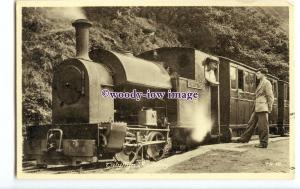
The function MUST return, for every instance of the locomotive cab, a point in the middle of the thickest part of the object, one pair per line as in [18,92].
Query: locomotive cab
[192,121]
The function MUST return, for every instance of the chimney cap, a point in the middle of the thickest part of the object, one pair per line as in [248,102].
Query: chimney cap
[82,22]
[125,52]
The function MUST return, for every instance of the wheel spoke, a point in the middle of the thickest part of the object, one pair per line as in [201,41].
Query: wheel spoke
[156,151]
[128,155]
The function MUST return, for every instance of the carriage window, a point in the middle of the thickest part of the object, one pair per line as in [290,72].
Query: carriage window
[274,84]
[286,92]
[252,82]
[246,83]
[240,79]
[249,82]
[233,77]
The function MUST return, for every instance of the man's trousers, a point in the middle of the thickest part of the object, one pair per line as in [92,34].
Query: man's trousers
[259,120]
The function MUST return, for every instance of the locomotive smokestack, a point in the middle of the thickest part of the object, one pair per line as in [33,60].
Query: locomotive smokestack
[82,38]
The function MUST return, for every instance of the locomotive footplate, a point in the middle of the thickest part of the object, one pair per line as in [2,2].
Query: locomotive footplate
[62,144]
[67,151]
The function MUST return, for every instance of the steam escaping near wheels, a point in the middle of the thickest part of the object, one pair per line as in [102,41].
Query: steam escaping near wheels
[202,120]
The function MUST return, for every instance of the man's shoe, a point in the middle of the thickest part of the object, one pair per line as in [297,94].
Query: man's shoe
[239,140]
[261,146]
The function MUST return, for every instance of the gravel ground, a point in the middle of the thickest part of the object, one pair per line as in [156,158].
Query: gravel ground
[252,160]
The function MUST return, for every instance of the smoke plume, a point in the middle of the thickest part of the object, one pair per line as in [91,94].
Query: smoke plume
[69,13]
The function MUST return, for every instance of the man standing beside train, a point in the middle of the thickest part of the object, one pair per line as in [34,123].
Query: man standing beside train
[264,99]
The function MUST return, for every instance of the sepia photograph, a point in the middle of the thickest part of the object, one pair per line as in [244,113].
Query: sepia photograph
[154,91]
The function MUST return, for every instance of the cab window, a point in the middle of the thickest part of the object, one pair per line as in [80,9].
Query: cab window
[211,72]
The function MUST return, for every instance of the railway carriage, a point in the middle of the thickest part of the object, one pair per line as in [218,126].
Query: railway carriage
[237,91]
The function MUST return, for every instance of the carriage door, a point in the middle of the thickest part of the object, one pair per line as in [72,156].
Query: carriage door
[249,95]
[246,90]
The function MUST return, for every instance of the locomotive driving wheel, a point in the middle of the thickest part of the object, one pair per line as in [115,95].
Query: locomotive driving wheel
[128,155]
[156,151]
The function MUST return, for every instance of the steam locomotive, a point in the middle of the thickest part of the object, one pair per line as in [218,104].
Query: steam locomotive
[88,127]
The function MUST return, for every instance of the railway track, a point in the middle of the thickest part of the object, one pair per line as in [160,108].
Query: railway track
[30,167]
[114,167]
[99,167]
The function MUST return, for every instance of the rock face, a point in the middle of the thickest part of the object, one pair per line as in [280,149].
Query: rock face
[255,36]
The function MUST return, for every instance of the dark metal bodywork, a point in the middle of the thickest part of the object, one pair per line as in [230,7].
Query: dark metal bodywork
[77,142]
[76,94]
[129,70]
[79,112]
